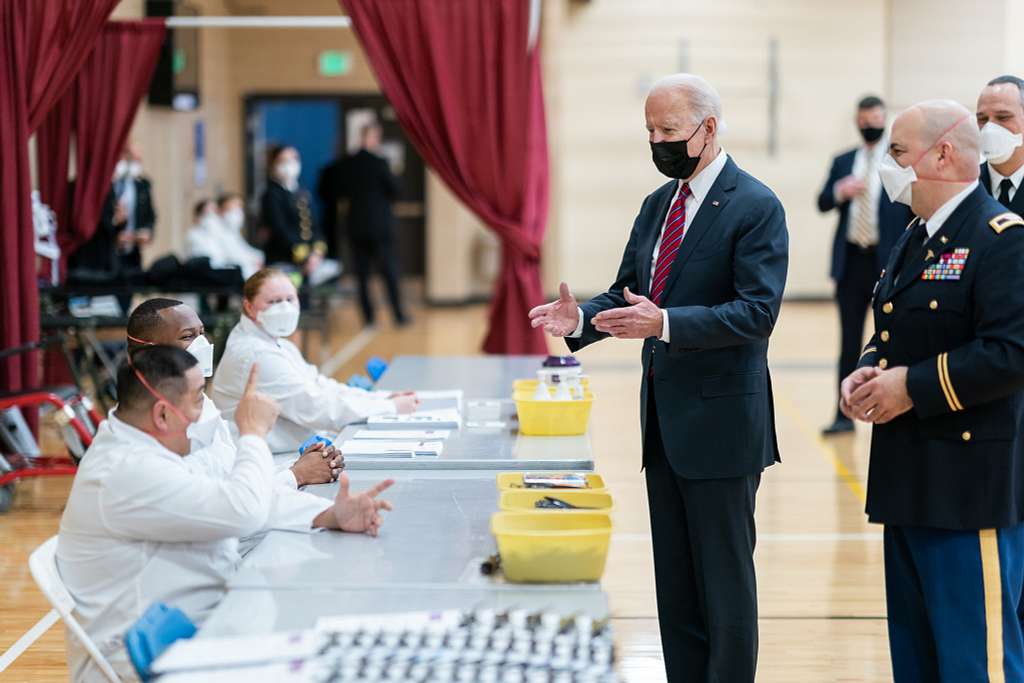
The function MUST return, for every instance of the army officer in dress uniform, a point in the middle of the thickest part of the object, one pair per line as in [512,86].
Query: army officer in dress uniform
[941,380]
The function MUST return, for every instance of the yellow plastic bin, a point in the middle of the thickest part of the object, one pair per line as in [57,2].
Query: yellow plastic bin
[552,418]
[514,480]
[530,385]
[540,548]
[523,500]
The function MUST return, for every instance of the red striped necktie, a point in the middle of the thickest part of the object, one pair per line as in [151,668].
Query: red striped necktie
[672,238]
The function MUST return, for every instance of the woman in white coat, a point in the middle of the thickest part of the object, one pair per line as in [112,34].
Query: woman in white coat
[309,401]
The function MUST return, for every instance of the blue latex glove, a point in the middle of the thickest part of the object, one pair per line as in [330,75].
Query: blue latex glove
[313,440]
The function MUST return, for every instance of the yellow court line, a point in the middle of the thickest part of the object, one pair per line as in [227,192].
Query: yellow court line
[789,409]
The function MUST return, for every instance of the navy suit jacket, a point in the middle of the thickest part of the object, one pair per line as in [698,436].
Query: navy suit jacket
[985,179]
[892,217]
[711,384]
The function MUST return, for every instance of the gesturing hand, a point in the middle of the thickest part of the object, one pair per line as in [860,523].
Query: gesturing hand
[639,320]
[360,513]
[559,318]
[882,398]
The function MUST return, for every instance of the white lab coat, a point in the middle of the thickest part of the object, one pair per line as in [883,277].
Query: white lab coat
[143,524]
[291,509]
[309,401]
[223,246]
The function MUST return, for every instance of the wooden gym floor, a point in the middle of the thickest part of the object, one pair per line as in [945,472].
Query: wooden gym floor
[822,602]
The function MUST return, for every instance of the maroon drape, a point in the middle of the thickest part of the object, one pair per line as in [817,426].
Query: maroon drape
[97,111]
[61,33]
[42,45]
[468,93]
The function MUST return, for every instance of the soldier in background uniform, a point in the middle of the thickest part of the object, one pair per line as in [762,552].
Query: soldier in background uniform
[941,381]
[1001,121]
[286,214]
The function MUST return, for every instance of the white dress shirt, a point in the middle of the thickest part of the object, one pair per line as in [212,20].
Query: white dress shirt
[935,223]
[700,185]
[997,180]
[873,181]
[223,246]
[143,524]
[309,401]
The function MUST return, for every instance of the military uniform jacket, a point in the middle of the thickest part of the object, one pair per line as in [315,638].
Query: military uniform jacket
[955,318]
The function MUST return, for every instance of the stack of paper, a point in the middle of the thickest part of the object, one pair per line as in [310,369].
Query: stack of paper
[237,651]
[425,419]
[403,434]
[391,449]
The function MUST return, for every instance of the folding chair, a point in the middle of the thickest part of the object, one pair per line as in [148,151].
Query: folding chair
[42,563]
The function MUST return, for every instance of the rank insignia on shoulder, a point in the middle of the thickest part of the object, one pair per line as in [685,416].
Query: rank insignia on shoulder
[950,265]
[1004,221]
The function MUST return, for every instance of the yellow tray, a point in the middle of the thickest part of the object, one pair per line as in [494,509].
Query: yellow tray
[538,548]
[524,500]
[552,418]
[514,480]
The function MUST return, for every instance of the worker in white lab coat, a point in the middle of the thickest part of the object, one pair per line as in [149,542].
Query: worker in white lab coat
[309,401]
[168,321]
[216,233]
[145,523]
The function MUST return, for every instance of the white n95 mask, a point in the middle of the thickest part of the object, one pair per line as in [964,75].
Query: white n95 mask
[202,434]
[896,179]
[998,143]
[202,350]
[234,219]
[280,319]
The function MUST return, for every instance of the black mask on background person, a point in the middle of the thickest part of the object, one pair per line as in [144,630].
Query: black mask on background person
[673,159]
[871,134]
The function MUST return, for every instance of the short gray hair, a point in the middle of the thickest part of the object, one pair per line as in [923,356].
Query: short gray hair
[701,96]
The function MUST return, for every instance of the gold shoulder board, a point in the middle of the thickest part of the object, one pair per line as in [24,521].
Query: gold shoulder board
[1004,221]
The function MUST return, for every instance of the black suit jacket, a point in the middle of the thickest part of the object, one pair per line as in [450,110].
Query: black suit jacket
[99,253]
[366,180]
[1016,204]
[293,234]
[955,461]
[892,217]
[711,383]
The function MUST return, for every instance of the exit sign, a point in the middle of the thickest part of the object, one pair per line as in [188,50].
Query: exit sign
[335,63]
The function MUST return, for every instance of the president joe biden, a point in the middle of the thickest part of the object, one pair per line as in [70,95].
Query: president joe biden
[701,283]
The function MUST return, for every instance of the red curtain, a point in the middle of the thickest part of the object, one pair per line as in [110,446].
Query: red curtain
[98,111]
[42,45]
[468,93]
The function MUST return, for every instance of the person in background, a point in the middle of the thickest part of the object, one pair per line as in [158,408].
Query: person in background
[310,401]
[365,179]
[170,322]
[1000,117]
[217,235]
[144,524]
[126,224]
[869,224]
[285,213]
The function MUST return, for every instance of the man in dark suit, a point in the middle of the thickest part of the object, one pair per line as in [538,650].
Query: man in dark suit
[701,282]
[869,224]
[942,381]
[366,180]
[1001,120]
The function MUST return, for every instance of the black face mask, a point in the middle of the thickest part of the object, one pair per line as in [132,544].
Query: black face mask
[673,159]
[871,134]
